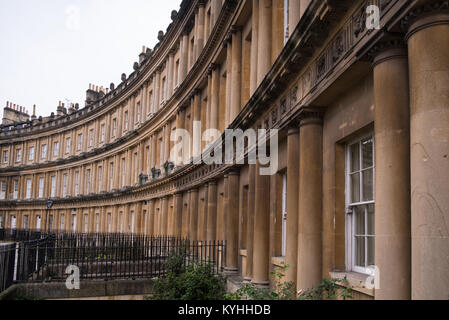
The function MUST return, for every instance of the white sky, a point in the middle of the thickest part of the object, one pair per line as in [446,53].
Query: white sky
[50,50]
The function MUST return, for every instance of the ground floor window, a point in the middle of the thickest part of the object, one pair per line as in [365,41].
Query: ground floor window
[360,204]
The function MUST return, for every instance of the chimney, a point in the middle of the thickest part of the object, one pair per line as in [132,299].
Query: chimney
[33,117]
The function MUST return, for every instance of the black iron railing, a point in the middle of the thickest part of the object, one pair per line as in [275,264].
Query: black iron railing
[41,256]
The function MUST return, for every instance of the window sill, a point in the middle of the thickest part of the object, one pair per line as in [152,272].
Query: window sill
[356,281]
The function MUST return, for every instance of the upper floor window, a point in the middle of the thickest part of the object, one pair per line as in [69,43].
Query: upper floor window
[114,127]
[16,190]
[91,138]
[177,73]
[111,176]
[77,183]
[44,151]
[31,154]
[360,204]
[28,189]
[56,149]
[164,89]
[151,101]
[80,142]
[126,120]
[100,179]
[3,190]
[123,172]
[18,155]
[139,111]
[53,187]
[5,156]
[41,188]
[88,182]
[68,144]
[64,185]
[103,132]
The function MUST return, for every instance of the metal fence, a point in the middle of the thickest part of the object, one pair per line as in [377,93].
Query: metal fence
[46,256]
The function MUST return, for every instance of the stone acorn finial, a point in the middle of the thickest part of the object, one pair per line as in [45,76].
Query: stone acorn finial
[123,77]
[112,86]
[160,35]
[136,66]
[174,15]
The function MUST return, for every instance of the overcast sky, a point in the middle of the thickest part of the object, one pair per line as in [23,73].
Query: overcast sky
[50,50]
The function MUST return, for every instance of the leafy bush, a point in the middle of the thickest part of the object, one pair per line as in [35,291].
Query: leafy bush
[195,281]
[329,289]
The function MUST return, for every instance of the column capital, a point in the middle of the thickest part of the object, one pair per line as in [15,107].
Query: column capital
[388,49]
[212,182]
[235,28]
[430,14]
[311,115]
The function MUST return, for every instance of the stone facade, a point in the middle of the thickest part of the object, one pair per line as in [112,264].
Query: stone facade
[363,168]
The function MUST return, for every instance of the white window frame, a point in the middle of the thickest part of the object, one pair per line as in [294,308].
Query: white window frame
[350,215]
[65,179]
[56,149]
[6,156]
[91,138]
[16,189]
[103,133]
[29,185]
[68,144]
[80,142]
[88,181]
[3,190]
[41,188]
[100,178]
[77,183]
[62,226]
[18,155]
[53,187]
[31,154]
[44,152]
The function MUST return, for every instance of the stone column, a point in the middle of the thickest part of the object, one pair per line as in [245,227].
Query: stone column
[264,40]
[292,202]
[212,211]
[254,47]
[214,97]
[309,264]
[180,124]
[178,214]
[193,223]
[151,219]
[428,50]
[200,29]
[232,224]
[183,58]
[392,145]
[303,6]
[294,14]
[236,79]
[157,92]
[167,141]
[164,216]
[228,45]
[196,135]
[250,222]
[215,11]
[261,250]
[170,73]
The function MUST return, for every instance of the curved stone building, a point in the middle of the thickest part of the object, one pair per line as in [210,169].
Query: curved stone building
[359,91]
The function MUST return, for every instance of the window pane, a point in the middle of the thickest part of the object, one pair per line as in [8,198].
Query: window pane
[359,223]
[368,185]
[359,251]
[355,188]
[355,157]
[367,153]
[370,251]
[371,229]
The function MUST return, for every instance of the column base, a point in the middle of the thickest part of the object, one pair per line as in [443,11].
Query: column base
[229,271]
[261,284]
